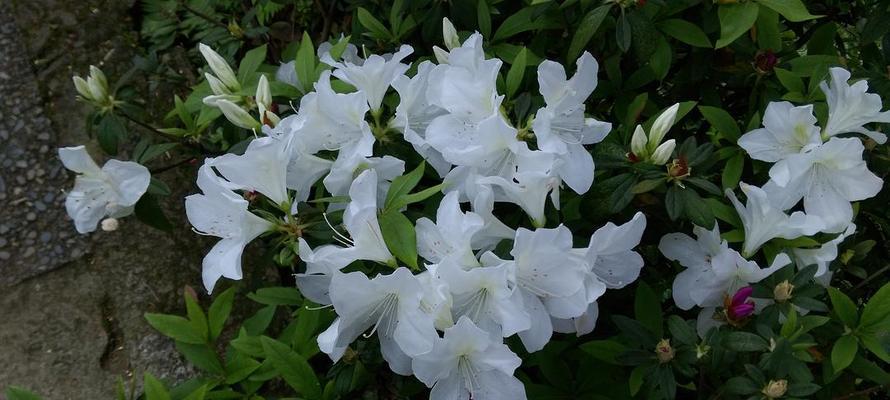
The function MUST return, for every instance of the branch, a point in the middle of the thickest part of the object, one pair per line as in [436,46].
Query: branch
[860,393]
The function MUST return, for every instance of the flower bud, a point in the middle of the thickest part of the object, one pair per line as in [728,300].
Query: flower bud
[441,55]
[220,67]
[775,389]
[214,99]
[638,143]
[99,76]
[663,152]
[216,86]
[664,351]
[98,92]
[449,34]
[661,125]
[782,292]
[237,115]
[110,224]
[263,93]
[83,88]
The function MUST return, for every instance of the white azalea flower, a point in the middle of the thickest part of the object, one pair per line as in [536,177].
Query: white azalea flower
[530,183]
[110,191]
[360,220]
[303,168]
[709,262]
[437,300]
[545,268]
[493,230]
[610,263]
[372,77]
[335,121]
[561,127]
[414,114]
[787,130]
[450,236]
[468,364]
[321,264]
[222,213]
[490,145]
[828,178]
[485,296]
[262,168]
[764,221]
[850,107]
[391,304]
[346,168]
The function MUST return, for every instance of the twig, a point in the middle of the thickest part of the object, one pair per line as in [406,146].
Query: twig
[860,393]
[165,168]
[174,138]
[871,277]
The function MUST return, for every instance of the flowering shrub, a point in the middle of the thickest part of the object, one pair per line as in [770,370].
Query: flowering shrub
[463,221]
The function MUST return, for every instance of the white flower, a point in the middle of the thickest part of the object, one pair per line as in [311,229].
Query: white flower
[287,73]
[850,107]
[485,296]
[493,230]
[468,364]
[450,236]
[374,76]
[110,191]
[321,264]
[787,130]
[764,221]
[391,304]
[530,183]
[709,265]
[335,121]
[437,299]
[414,114]
[489,145]
[610,263]
[467,85]
[822,256]
[360,220]
[303,169]
[828,178]
[221,68]
[561,127]
[346,168]
[546,268]
[262,168]
[222,213]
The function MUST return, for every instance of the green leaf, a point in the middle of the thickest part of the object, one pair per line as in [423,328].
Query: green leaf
[293,368]
[745,341]
[402,185]
[843,352]
[149,212]
[741,385]
[196,316]
[792,10]
[154,151]
[17,393]
[790,80]
[768,34]
[877,344]
[158,187]
[604,350]
[869,370]
[202,356]
[219,312]
[732,173]
[517,72]
[735,20]
[251,62]
[377,29]
[685,32]
[647,309]
[305,63]
[843,307]
[258,323]
[635,382]
[681,331]
[399,236]
[586,29]
[483,15]
[661,59]
[802,389]
[279,296]
[517,23]
[877,311]
[154,389]
[623,33]
[175,327]
[418,196]
[722,122]
[111,131]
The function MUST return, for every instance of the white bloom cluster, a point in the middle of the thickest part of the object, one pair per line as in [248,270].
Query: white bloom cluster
[811,164]
[451,114]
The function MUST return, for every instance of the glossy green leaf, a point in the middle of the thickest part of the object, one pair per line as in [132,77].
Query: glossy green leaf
[586,29]
[685,32]
[154,389]
[722,121]
[735,20]
[251,62]
[293,368]
[843,307]
[175,327]
[516,72]
[372,24]
[843,352]
[792,10]
[399,236]
[403,185]
[219,312]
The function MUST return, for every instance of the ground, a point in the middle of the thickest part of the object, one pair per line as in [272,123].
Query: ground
[71,306]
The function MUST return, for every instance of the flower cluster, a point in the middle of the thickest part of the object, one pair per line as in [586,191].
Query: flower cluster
[815,165]
[451,115]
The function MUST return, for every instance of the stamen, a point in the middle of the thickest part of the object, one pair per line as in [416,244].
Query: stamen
[319,307]
[337,235]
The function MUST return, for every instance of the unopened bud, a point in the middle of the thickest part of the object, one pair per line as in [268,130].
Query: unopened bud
[638,143]
[449,34]
[441,55]
[216,85]
[263,93]
[83,88]
[661,125]
[782,292]
[220,67]
[663,152]
[110,224]
[664,351]
[775,389]
[214,99]
[237,115]
[97,91]
[99,76]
